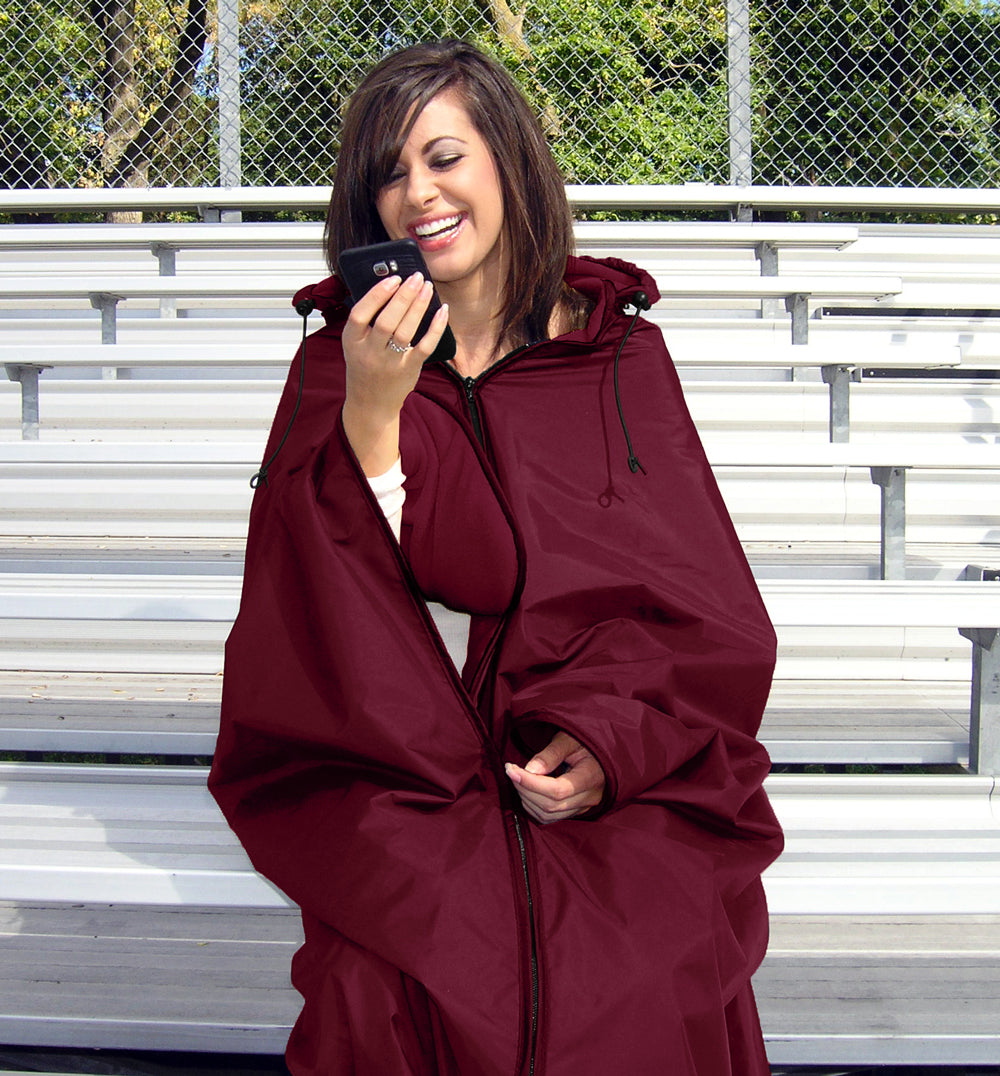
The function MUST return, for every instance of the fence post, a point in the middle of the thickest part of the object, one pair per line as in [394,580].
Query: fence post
[230,153]
[738,73]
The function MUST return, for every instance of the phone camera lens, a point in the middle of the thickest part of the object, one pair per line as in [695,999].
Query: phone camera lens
[380,269]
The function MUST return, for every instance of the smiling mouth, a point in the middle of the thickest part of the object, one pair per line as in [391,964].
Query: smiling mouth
[436,229]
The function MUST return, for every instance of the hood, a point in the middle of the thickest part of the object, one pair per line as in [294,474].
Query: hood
[610,283]
[330,297]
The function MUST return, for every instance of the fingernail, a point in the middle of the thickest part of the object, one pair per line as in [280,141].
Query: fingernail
[416,280]
[512,773]
[392,282]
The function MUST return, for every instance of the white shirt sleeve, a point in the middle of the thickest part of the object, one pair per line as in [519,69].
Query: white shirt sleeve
[388,490]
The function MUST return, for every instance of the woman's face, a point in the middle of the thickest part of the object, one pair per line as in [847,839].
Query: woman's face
[445,193]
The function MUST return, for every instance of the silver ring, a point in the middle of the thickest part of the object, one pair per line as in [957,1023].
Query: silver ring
[393,346]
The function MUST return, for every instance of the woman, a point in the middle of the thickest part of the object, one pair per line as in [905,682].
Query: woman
[548,862]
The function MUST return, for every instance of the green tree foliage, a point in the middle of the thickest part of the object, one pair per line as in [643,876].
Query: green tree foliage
[638,89]
[97,93]
[146,80]
[862,92]
[630,92]
[46,110]
[877,92]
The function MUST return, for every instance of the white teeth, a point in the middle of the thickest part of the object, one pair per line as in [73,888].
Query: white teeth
[435,226]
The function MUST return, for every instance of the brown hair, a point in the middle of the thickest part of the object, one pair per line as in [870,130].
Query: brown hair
[538,224]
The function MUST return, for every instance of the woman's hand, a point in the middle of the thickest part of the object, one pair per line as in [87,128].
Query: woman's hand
[382,368]
[575,790]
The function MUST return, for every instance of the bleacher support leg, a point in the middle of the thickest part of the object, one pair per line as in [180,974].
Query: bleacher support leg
[166,256]
[108,306]
[28,378]
[839,379]
[798,307]
[984,716]
[767,255]
[892,552]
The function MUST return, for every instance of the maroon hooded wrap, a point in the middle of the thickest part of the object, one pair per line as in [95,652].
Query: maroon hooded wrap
[447,933]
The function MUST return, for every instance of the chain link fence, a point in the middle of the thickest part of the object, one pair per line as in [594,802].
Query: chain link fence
[230,92]
[895,93]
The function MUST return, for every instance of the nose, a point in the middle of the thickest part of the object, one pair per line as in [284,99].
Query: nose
[421,188]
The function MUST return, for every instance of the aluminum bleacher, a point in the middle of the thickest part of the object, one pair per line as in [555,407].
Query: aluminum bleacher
[129,916]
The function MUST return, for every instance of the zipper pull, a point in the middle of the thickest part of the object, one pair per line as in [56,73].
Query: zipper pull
[469,386]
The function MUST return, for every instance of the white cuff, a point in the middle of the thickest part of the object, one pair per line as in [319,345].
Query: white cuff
[388,490]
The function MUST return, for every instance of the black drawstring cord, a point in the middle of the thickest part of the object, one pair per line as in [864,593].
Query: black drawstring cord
[303,309]
[640,300]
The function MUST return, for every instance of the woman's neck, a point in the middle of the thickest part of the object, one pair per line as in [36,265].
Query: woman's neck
[473,314]
[474,317]
[477,347]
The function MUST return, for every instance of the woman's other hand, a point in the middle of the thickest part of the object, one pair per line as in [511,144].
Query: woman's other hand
[382,368]
[574,790]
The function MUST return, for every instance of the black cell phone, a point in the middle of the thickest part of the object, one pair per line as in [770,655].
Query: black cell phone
[361,268]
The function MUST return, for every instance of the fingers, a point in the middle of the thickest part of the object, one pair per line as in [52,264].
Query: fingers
[390,314]
[555,801]
[554,754]
[404,332]
[366,309]
[382,368]
[552,799]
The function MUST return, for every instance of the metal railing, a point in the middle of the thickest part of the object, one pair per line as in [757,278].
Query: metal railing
[153,93]
[702,199]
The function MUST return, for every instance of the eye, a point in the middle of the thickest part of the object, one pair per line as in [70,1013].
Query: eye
[446,161]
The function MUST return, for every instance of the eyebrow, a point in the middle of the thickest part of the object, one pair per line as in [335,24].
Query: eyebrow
[428,146]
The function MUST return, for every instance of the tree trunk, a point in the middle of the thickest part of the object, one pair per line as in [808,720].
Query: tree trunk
[129,140]
[120,102]
[510,29]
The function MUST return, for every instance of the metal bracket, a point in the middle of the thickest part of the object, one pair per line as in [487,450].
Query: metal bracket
[892,554]
[839,379]
[212,214]
[767,255]
[166,256]
[798,307]
[108,306]
[28,378]
[984,714]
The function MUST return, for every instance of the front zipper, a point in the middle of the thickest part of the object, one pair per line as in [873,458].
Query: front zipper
[469,385]
[534,946]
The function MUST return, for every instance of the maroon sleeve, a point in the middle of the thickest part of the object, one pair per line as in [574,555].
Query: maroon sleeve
[640,630]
